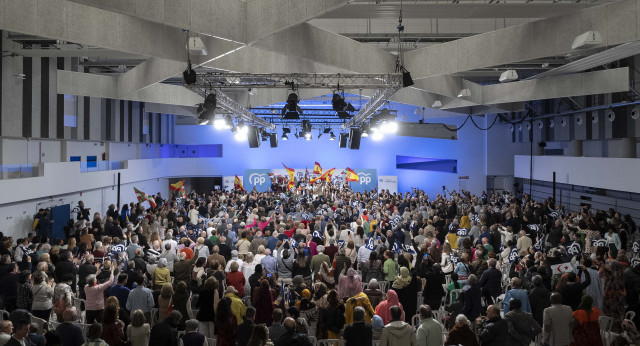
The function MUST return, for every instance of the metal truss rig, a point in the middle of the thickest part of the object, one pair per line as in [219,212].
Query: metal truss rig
[376,101]
[225,102]
[332,81]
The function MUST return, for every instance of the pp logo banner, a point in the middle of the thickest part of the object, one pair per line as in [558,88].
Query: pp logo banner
[368,180]
[258,178]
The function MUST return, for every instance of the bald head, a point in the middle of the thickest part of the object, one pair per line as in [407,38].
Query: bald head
[493,311]
[289,324]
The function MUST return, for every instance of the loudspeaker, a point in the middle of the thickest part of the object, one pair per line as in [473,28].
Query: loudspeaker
[343,140]
[273,138]
[354,138]
[254,137]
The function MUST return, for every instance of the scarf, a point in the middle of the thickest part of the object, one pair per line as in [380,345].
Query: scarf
[403,280]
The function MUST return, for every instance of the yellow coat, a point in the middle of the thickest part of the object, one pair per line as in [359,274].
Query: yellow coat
[237,306]
[359,299]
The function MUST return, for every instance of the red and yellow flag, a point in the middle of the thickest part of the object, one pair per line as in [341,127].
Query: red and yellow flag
[237,184]
[351,175]
[292,174]
[177,186]
[326,176]
[317,169]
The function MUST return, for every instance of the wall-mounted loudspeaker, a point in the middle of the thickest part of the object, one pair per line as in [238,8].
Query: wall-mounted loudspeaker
[354,138]
[552,123]
[594,117]
[254,137]
[540,124]
[563,122]
[611,116]
[511,127]
[635,113]
[343,140]
[579,120]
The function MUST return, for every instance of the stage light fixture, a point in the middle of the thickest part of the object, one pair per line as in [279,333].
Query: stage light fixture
[319,134]
[241,132]
[307,136]
[285,131]
[341,106]
[189,76]
[332,137]
[284,137]
[291,110]
[210,101]
[376,135]
[203,121]
[306,129]
[365,130]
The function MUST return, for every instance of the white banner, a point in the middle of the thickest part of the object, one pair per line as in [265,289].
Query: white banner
[561,268]
[227,182]
[388,182]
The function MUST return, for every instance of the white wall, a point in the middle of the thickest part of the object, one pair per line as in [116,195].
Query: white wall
[83,149]
[607,173]
[500,148]
[16,219]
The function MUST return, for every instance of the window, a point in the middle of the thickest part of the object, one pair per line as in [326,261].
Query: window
[70,121]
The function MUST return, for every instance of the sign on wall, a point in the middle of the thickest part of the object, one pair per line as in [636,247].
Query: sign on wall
[227,182]
[258,178]
[388,182]
[368,180]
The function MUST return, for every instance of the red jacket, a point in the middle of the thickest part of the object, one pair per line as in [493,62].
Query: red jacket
[237,280]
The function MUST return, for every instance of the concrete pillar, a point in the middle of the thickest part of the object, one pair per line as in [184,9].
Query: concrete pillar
[574,148]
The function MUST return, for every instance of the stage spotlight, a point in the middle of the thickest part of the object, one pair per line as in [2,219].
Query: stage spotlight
[365,130]
[285,130]
[389,126]
[291,109]
[341,106]
[284,137]
[210,101]
[306,128]
[203,121]
[332,137]
[376,135]
[319,134]
[265,135]
[241,132]
[189,75]
[307,136]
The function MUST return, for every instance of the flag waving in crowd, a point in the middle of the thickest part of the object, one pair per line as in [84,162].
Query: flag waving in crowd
[292,174]
[326,176]
[351,175]
[141,196]
[317,169]
[237,184]
[179,188]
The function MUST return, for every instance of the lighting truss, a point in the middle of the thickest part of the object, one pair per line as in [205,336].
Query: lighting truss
[305,111]
[231,106]
[376,101]
[333,81]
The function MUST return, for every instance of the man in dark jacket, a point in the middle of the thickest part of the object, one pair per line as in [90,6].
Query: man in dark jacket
[291,337]
[70,333]
[491,280]
[572,291]
[182,269]
[632,284]
[358,333]
[539,299]
[245,329]
[85,269]
[165,333]
[494,330]
[65,266]
[524,327]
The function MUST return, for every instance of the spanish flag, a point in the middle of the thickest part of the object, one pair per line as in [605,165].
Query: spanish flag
[317,169]
[292,174]
[351,175]
[237,184]
[177,186]
[326,176]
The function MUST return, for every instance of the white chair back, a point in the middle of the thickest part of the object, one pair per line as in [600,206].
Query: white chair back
[455,292]
[415,321]
[440,315]
[630,315]
[384,286]
[40,323]
[211,341]
[605,328]
[314,340]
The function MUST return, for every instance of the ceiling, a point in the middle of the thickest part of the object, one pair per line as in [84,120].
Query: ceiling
[447,46]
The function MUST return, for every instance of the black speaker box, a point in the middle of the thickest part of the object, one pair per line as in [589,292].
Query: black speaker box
[273,138]
[254,137]
[354,138]
[343,140]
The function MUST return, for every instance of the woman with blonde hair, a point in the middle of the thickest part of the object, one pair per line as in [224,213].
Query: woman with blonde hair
[138,331]
[161,275]
[165,301]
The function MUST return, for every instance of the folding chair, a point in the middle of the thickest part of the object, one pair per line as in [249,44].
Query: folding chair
[415,321]
[605,328]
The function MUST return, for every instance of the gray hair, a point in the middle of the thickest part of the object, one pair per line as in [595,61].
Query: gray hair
[320,248]
[162,263]
[358,314]
[462,319]
[91,279]
[472,280]
[332,241]
[192,325]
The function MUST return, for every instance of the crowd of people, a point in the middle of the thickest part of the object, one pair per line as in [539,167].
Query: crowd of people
[291,268]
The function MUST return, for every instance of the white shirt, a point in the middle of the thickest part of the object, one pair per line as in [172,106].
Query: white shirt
[173,243]
[228,268]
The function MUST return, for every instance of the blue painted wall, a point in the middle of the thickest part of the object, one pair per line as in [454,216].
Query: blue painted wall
[469,150]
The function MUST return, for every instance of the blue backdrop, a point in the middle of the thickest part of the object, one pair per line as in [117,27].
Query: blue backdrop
[368,180]
[258,178]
